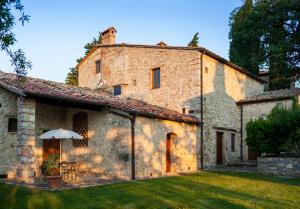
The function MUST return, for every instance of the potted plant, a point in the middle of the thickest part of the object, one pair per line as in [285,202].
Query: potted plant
[50,168]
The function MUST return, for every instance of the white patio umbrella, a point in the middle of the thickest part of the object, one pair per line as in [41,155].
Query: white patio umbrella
[60,134]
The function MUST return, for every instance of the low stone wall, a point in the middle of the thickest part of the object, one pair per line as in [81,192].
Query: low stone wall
[280,166]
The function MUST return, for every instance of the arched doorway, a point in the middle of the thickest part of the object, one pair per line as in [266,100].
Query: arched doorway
[170,139]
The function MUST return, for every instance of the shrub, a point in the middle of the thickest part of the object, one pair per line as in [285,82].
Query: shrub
[50,166]
[278,132]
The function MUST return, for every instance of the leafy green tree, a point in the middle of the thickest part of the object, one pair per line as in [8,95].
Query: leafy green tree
[244,40]
[72,76]
[267,35]
[195,41]
[7,37]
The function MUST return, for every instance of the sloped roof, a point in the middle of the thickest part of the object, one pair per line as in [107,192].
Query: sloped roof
[39,88]
[200,49]
[271,96]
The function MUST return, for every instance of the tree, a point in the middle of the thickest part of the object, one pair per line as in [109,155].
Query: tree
[244,42]
[267,35]
[195,41]
[72,76]
[7,37]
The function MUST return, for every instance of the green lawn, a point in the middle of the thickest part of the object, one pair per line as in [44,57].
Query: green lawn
[202,190]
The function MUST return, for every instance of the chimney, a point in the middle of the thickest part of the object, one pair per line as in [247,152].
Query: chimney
[161,44]
[109,36]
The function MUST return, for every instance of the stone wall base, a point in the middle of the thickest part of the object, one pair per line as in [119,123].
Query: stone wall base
[280,166]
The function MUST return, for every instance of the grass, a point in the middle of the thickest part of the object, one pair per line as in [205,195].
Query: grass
[201,190]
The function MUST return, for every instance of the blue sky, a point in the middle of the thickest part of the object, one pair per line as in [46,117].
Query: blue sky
[58,30]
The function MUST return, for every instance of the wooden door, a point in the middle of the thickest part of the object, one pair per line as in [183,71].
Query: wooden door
[51,146]
[252,155]
[219,148]
[168,154]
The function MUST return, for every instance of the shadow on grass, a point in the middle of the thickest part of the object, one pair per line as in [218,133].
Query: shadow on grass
[203,190]
[261,177]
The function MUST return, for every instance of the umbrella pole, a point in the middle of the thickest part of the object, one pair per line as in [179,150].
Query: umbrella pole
[60,153]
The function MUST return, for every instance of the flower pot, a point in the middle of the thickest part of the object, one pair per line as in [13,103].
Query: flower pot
[54,182]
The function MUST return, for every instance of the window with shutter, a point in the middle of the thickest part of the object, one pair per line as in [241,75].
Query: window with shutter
[156,78]
[80,126]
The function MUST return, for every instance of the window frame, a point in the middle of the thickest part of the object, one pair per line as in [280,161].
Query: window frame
[117,87]
[100,66]
[12,122]
[156,79]
[232,142]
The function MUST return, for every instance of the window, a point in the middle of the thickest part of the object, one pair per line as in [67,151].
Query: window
[80,126]
[183,110]
[156,78]
[12,125]
[117,90]
[191,111]
[98,66]
[232,142]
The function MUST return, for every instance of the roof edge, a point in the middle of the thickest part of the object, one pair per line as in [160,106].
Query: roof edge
[201,49]
[148,115]
[12,89]
[265,100]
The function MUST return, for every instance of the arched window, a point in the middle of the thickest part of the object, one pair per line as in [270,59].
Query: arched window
[80,126]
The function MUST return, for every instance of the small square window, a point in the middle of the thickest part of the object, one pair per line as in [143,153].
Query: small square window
[156,78]
[117,90]
[232,142]
[12,125]
[98,66]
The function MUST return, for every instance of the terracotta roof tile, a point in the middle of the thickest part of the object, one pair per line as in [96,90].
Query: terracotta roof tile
[271,96]
[34,87]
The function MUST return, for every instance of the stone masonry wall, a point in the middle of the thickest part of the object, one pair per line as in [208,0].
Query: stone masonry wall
[8,140]
[26,161]
[150,143]
[180,87]
[257,110]
[108,153]
[223,87]
[289,166]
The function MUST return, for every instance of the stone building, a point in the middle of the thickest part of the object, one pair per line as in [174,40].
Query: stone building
[190,80]
[144,111]
[123,138]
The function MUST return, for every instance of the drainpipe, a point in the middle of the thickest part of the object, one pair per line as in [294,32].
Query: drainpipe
[242,133]
[132,121]
[131,117]
[201,106]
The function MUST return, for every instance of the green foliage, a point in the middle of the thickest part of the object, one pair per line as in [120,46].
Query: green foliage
[279,131]
[195,41]
[267,35]
[244,42]
[72,76]
[50,166]
[257,136]
[7,37]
